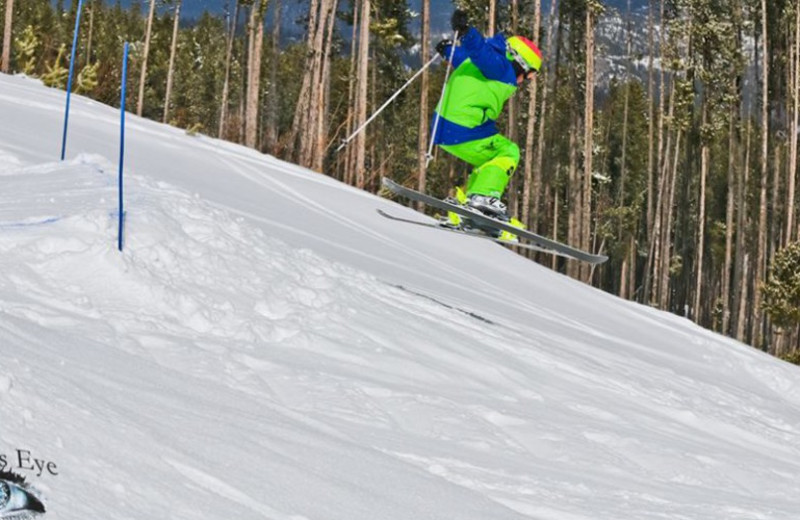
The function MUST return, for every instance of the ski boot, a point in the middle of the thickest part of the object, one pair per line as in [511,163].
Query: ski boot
[454,220]
[489,206]
[496,209]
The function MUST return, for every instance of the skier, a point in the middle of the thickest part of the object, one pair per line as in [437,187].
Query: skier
[486,73]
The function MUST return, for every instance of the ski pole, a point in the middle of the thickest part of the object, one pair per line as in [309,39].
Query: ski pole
[429,155]
[69,80]
[388,101]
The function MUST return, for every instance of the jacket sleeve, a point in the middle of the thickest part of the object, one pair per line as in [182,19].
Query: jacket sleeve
[489,55]
[459,55]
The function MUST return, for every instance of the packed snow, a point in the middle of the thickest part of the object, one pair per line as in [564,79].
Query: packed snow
[266,346]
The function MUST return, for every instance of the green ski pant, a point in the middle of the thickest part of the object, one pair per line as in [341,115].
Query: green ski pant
[495,158]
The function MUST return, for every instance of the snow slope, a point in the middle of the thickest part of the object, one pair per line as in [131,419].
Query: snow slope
[267,347]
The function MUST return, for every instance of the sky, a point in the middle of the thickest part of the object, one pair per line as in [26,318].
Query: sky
[266,346]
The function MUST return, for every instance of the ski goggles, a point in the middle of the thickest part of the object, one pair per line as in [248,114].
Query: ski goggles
[513,55]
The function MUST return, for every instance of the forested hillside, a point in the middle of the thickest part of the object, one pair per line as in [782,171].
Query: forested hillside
[679,161]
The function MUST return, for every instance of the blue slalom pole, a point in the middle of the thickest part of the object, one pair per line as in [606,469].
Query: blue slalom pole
[69,80]
[122,142]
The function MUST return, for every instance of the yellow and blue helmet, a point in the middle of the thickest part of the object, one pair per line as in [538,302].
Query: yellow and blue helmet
[524,52]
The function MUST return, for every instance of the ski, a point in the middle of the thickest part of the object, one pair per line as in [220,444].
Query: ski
[548,245]
[469,233]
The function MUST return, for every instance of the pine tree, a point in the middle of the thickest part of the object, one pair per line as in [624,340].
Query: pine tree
[56,74]
[781,292]
[26,45]
[87,78]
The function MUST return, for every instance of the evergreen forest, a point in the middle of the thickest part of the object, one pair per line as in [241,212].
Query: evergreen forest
[679,161]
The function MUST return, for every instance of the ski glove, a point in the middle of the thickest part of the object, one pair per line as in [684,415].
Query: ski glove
[443,48]
[460,22]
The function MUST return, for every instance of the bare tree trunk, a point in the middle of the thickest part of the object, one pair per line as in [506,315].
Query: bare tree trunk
[658,248]
[274,95]
[422,138]
[311,110]
[554,259]
[5,62]
[303,106]
[240,126]
[623,278]
[774,228]
[172,53]
[650,284]
[311,116]
[533,91]
[741,327]
[628,288]
[254,72]
[791,181]
[586,218]
[651,127]
[574,193]
[625,113]
[661,88]
[512,190]
[575,197]
[324,90]
[351,100]
[729,216]
[361,94]
[223,113]
[492,16]
[537,173]
[705,158]
[760,267]
[624,157]
[734,145]
[143,76]
[670,180]
[92,7]
[742,222]
[379,129]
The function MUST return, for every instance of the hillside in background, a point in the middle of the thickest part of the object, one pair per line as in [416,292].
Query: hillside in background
[267,346]
[196,8]
[295,12]
[612,58]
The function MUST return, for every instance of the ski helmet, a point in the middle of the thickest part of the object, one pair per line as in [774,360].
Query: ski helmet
[524,52]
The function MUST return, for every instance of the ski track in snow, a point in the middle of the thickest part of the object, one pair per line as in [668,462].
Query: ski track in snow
[263,349]
[281,189]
